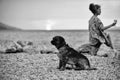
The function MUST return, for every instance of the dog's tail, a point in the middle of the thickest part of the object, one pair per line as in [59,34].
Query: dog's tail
[91,68]
[86,69]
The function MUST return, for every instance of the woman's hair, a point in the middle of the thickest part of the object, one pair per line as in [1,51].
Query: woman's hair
[93,8]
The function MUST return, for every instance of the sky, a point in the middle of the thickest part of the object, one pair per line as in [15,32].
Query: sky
[56,14]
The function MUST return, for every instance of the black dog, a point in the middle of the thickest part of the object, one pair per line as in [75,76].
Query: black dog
[68,55]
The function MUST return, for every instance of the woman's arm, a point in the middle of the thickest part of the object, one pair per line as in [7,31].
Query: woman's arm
[109,26]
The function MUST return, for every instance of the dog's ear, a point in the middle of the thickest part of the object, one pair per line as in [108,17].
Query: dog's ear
[62,40]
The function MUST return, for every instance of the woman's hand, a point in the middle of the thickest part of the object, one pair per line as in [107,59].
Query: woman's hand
[114,23]
[111,25]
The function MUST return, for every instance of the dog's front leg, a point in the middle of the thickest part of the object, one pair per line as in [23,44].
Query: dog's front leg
[63,66]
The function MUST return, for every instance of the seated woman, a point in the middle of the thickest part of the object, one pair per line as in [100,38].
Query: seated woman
[97,35]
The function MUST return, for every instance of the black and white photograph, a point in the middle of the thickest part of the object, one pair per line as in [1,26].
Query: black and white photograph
[59,39]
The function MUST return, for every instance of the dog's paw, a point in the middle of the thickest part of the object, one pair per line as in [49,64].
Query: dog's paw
[62,69]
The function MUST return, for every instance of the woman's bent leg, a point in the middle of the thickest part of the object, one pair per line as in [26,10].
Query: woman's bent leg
[110,42]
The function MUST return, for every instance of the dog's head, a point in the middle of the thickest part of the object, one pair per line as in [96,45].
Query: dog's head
[58,41]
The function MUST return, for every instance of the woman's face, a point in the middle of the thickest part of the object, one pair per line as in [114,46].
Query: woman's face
[98,11]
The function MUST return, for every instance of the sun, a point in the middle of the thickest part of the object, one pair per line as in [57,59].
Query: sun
[49,24]
[48,27]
